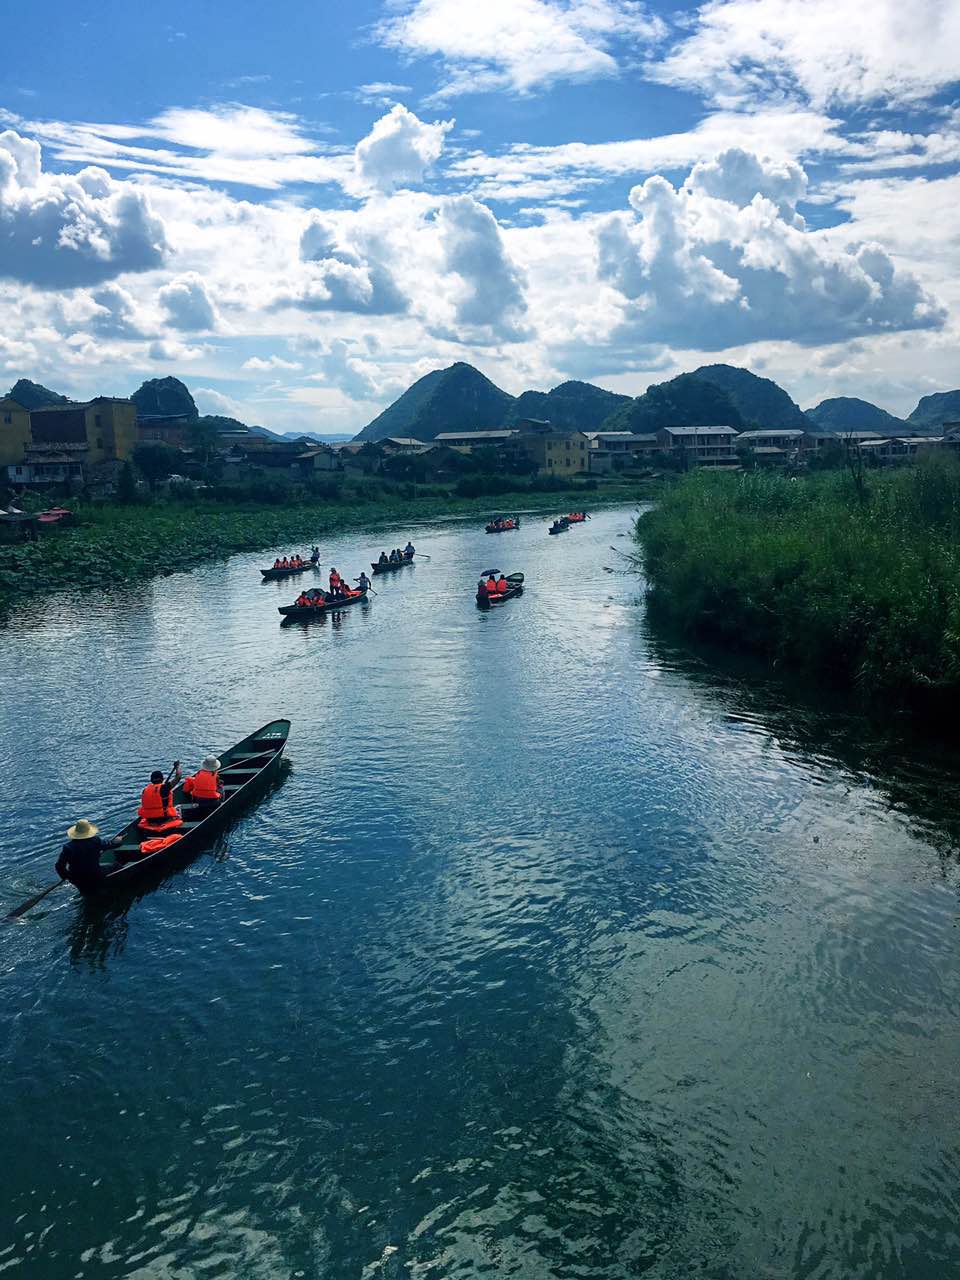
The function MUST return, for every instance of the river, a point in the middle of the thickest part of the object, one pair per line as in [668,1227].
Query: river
[551,954]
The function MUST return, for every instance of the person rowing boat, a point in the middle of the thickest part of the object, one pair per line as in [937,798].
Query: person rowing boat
[79,860]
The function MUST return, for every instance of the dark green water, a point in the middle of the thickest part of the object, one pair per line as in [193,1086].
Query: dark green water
[551,954]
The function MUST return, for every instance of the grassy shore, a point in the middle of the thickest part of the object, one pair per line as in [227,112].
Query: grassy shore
[862,588]
[111,543]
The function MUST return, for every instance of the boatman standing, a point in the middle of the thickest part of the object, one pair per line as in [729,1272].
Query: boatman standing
[409,550]
[79,860]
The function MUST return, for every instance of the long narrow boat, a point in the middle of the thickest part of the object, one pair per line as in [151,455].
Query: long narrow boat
[487,601]
[576,517]
[301,612]
[559,526]
[503,526]
[390,568]
[289,572]
[244,765]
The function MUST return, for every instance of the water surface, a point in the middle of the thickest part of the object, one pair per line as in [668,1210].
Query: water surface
[551,954]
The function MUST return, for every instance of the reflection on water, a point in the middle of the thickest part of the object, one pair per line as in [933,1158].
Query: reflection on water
[557,951]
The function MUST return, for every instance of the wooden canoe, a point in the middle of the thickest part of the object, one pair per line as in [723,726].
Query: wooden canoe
[390,568]
[288,573]
[244,765]
[488,601]
[302,612]
[493,527]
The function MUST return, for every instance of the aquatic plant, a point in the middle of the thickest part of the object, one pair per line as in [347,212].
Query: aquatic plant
[862,589]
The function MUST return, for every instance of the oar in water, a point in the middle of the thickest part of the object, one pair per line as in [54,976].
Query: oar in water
[370,590]
[30,903]
[423,555]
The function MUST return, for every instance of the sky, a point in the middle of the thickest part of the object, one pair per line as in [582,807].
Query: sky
[300,208]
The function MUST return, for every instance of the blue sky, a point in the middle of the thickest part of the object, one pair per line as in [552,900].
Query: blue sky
[299,209]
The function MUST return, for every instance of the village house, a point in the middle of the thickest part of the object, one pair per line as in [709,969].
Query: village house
[774,447]
[466,441]
[700,446]
[68,443]
[562,453]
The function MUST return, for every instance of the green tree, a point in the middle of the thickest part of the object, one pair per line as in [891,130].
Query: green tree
[126,485]
[156,460]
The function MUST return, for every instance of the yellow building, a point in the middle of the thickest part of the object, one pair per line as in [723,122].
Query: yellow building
[14,431]
[558,453]
[105,429]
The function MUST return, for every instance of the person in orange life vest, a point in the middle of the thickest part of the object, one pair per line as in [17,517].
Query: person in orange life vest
[276,563]
[203,787]
[503,584]
[157,811]
[335,581]
[492,584]
[303,599]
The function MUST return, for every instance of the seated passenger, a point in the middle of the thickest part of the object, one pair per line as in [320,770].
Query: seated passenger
[492,584]
[203,787]
[383,558]
[276,563]
[502,584]
[157,810]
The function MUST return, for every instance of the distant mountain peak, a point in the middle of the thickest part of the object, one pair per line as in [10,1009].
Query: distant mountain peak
[847,413]
[458,398]
[934,410]
[758,400]
[32,395]
[166,397]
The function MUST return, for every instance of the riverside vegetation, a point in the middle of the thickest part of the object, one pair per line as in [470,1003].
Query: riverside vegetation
[853,578]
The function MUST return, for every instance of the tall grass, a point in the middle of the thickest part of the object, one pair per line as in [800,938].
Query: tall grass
[863,589]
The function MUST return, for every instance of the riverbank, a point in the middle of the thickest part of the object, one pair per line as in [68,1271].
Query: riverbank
[110,543]
[858,588]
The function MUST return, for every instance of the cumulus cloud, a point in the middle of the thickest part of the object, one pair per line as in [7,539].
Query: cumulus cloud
[355,377]
[337,275]
[108,312]
[699,270]
[828,51]
[188,305]
[490,293]
[59,231]
[519,45]
[209,400]
[398,150]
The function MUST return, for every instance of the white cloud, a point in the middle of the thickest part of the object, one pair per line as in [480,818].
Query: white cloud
[340,274]
[188,304]
[828,51]
[231,143]
[698,271]
[58,231]
[209,400]
[358,378]
[258,364]
[398,150]
[108,312]
[525,172]
[490,293]
[519,45]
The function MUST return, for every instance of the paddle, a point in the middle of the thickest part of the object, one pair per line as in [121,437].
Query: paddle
[370,590]
[423,555]
[30,903]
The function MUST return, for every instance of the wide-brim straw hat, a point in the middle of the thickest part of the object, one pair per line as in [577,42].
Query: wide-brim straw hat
[82,830]
[210,763]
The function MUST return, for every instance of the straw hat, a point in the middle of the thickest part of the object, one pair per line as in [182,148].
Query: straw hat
[82,830]
[210,763]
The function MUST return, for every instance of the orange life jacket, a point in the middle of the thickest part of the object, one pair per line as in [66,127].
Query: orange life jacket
[204,785]
[153,808]
[154,846]
[492,585]
[503,585]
